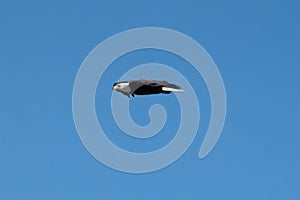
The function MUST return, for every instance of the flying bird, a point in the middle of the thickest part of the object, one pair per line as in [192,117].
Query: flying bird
[145,87]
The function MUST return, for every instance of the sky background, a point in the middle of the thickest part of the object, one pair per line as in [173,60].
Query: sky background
[256,46]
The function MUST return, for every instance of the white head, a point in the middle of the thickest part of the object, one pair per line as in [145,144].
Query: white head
[122,87]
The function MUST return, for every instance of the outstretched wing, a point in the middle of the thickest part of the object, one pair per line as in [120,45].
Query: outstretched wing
[146,86]
[156,83]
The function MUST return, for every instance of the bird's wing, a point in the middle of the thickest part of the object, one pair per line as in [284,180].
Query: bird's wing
[134,85]
[159,83]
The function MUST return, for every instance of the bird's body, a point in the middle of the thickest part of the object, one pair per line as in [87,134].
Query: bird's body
[145,87]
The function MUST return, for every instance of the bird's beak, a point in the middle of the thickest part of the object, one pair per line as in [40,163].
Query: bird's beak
[115,87]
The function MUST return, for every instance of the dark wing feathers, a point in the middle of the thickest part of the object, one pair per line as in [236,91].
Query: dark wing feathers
[156,83]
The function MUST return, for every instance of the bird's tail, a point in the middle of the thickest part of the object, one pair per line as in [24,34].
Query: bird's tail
[167,89]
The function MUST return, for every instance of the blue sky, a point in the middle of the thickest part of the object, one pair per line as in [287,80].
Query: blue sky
[256,47]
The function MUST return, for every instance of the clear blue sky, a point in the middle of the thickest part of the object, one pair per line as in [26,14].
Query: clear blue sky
[256,46]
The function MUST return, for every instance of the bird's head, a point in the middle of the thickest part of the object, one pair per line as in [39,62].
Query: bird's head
[121,86]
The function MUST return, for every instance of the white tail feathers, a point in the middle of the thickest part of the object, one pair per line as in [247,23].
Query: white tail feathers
[171,89]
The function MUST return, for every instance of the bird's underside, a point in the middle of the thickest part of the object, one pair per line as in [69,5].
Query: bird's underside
[145,87]
[152,89]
